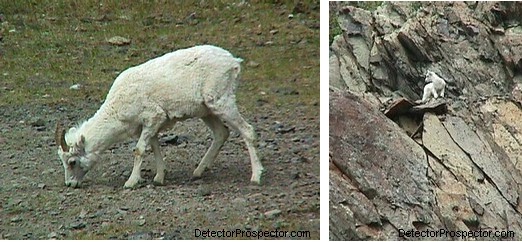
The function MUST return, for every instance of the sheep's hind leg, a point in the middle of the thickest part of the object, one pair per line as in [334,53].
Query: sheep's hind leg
[228,112]
[220,133]
[160,163]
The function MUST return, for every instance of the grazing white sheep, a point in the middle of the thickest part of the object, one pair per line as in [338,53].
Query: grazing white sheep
[145,99]
[434,88]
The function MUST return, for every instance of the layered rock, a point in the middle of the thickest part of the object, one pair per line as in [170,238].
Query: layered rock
[460,170]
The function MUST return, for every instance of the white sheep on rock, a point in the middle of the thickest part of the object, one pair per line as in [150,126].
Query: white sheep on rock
[145,99]
[434,88]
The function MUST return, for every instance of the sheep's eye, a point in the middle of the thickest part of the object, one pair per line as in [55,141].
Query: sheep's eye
[71,161]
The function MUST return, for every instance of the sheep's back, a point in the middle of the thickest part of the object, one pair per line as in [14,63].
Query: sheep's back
[179,82]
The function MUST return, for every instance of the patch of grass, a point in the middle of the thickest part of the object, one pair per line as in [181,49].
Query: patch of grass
[416,6]
[105,232]
[50,45]
[334,27]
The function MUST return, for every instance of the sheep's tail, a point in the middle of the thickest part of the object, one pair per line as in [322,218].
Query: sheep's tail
[239,59]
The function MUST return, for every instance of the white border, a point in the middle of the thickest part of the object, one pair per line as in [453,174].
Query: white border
[324,119]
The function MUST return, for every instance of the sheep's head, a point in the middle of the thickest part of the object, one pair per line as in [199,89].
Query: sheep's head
[428,76]
[76,162]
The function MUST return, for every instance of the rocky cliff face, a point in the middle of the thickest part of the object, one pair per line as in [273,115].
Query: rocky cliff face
[397,167]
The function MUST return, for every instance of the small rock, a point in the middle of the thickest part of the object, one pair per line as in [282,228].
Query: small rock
[272,213]
[296,160]
[78,225]
[295,175]
[140,236]
[37,122]
[290,16]
[239,200]
[75,87]
[261,102]
[178,140]
[274,31]
[141,222]
[16,219]
[256,195]
[126,173]
[252,64]
[41,185]
[472,30]
[282,130]
[52,235]
[278,224]
[54,213]
[204,192]
[48,171]
[499,31]
[285,91]
[119,41]
[82,213]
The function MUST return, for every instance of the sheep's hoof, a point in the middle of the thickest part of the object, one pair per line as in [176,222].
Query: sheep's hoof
[133,184]
[159,179]
[256,177]
[195,178]
[158,183]
[197,174]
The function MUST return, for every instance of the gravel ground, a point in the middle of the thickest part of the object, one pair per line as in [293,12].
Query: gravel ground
[35,204]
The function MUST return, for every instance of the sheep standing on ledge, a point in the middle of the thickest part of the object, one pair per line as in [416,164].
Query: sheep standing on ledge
[145,99]
[434,88]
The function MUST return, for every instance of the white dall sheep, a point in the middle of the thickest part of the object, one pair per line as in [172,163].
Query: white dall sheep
[145,99]
[434,88]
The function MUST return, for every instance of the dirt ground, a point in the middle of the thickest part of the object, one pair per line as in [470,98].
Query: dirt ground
[283,108]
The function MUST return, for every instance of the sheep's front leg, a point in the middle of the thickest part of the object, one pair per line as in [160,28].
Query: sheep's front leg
[426,94]
[160,163]
[434,92]
[139,151]
[442,92]
[135,176]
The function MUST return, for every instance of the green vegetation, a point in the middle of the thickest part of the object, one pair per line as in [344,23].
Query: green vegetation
[416,6]
[49,45]
[335,29]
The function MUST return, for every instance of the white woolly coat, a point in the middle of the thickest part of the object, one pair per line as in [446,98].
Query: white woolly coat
[176,85]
